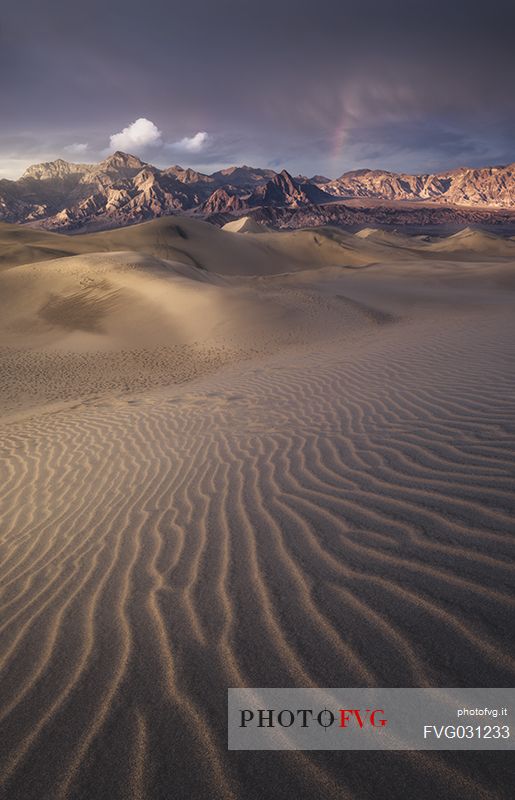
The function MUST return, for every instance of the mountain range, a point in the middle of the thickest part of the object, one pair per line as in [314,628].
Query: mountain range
[122,190]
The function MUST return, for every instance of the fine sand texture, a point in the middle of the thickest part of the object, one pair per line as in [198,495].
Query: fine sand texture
[297,470]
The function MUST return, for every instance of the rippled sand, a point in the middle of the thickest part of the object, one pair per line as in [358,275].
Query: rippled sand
[331,512]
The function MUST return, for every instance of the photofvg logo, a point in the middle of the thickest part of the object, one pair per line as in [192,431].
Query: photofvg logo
[287,717]
[370,719]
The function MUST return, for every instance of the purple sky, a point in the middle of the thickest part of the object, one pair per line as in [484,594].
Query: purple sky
[316,87]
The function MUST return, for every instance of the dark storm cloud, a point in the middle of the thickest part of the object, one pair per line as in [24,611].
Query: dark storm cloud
[316,86]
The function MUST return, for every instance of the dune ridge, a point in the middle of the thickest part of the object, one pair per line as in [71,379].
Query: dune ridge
[166,301]
[343,517]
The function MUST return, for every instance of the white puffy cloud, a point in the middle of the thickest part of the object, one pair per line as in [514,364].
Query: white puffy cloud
[76,148]
[193,144]
[136,136]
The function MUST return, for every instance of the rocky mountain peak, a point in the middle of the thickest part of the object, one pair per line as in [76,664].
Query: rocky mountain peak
[285,181]
[54,169]
[120,160]
[283,190]
[221,201]
[123,189]
[243,177]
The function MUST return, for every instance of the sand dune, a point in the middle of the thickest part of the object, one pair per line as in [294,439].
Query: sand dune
[259,252]
[88,325]
[244,225]
[334,507]
[105,299]
[470,241]
[194,243]
[23,245]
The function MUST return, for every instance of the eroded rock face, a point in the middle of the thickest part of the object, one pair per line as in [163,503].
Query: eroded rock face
[122,189]
[222,201]
[283,190]
[488,186]
[417,217]
[55,169]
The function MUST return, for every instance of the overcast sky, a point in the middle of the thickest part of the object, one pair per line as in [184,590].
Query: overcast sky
[317,87]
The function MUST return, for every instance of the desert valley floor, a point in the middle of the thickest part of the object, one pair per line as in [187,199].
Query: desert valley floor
[244,458]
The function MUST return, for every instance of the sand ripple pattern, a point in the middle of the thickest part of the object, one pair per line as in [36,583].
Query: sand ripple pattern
[335,518]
